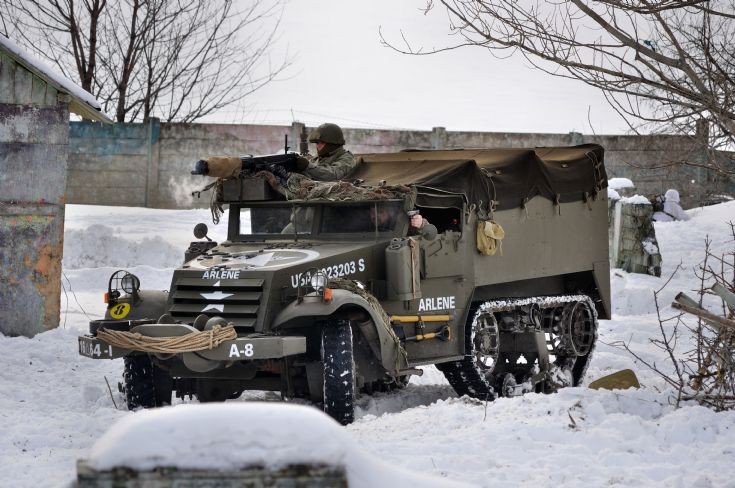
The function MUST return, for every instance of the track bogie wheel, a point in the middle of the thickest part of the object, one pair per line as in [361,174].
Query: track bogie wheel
[474,374]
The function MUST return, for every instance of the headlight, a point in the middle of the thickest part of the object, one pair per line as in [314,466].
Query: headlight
[130,283]
[318,281]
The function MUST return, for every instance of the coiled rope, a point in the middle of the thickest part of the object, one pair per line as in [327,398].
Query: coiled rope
[194,341]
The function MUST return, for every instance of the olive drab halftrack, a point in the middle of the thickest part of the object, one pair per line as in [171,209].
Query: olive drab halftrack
[324,291]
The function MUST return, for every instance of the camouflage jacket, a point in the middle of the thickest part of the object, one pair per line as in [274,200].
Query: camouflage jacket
[334,166]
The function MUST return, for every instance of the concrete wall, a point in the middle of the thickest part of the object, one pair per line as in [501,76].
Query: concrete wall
[149,164]
[33,143]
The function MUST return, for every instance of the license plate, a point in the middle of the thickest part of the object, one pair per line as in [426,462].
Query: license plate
[93,348]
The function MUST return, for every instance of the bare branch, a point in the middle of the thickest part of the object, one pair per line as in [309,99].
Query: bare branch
[178,60]
[666,63]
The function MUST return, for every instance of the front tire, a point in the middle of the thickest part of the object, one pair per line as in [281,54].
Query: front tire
[339,372]
[144,385]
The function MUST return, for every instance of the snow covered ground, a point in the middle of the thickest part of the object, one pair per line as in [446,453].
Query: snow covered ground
[55,404]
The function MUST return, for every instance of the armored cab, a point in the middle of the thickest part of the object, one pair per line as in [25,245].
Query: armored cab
[324,290]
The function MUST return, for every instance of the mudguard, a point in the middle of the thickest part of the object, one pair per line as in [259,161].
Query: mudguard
[392,355]
[150,304]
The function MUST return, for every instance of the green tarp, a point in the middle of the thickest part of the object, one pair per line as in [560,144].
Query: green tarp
[509,177]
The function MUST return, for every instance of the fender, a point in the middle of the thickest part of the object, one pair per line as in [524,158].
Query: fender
[392,354]
[151,304]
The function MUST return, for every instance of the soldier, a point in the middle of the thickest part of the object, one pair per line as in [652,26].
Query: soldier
[385,217]
[671,208]
[333,161]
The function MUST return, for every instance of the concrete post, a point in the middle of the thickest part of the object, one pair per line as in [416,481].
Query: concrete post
[295,136]
[33,158]
[151,178]
[575,138]
[438,137]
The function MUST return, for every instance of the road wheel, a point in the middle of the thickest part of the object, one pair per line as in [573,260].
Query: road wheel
[339,372]
[578,336]
[144,385]
[474,374]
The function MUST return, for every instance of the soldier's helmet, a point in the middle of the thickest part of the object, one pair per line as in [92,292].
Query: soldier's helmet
[329,133]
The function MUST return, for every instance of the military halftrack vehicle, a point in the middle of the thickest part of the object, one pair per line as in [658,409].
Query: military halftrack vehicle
[314,296]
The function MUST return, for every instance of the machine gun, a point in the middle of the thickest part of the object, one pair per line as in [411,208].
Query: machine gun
[278,164]
[242,166]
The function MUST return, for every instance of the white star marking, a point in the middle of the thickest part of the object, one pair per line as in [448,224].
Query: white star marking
[260,259]
[216,284]
[217,295]
[214,306]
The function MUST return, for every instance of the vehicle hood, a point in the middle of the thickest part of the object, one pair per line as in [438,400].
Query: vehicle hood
[271,257]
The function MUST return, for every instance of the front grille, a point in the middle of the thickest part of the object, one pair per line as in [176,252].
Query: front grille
[237,301]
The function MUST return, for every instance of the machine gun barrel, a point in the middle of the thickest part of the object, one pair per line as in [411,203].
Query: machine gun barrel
[227,166]
[257,163]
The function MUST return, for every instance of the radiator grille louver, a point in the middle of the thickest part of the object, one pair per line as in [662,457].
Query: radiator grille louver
[237,301]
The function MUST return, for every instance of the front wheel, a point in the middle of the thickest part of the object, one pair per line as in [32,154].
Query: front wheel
[339,372]
[144,385]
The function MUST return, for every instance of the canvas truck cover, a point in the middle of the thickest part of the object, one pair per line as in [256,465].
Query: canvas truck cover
[509,177]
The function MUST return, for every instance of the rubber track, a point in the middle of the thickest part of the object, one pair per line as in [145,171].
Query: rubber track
[466,379]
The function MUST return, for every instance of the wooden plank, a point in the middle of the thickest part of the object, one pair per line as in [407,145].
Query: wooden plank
[23,85]
[705,315]
[38,91]
[7,79]
[51,96]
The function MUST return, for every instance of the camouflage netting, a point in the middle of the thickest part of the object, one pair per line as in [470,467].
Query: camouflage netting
[357,289]
[214,202]
[299,187]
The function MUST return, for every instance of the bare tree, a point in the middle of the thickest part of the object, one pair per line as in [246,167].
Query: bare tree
[698,342]
[175,59]
[665,62]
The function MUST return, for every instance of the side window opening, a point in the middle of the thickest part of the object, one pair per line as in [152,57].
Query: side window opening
[445,219]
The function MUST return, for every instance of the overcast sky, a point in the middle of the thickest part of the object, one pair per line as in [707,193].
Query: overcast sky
[342,73]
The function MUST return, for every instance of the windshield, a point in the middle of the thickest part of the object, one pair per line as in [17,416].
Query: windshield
[275,220]
[346,218]
[360,219]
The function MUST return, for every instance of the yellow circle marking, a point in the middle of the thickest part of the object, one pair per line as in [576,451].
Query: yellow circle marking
[120,311]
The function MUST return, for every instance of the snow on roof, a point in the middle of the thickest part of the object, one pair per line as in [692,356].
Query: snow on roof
[236,436]
[82,103]
[618,183]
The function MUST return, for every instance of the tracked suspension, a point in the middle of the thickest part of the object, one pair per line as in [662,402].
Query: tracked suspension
[514,346]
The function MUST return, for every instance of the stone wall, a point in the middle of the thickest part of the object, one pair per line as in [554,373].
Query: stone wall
[149,164]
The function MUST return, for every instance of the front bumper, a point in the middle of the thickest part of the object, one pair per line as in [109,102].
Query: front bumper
[255,346]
